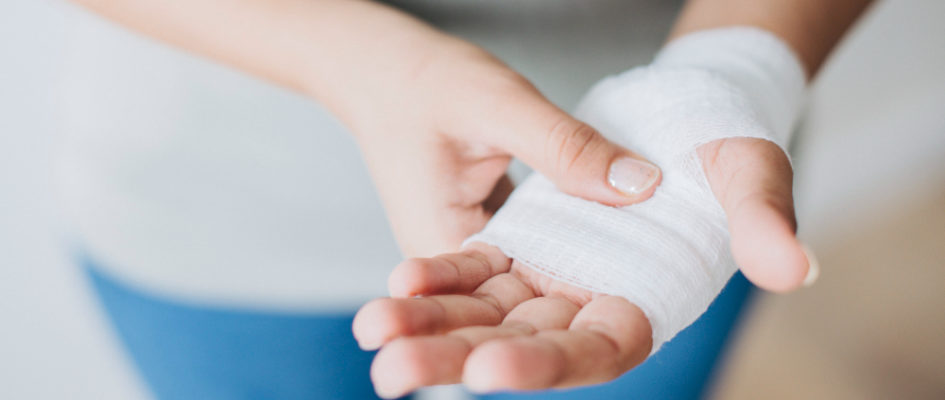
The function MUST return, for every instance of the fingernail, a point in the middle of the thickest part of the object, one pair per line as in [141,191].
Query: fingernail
[813,269]
[631,176]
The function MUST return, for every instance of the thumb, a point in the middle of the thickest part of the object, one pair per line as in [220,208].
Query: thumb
[577,158]
[752,179]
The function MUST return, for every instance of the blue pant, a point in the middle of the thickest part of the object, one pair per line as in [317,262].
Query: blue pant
[187,351]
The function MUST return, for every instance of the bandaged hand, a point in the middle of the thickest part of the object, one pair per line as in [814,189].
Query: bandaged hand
[557,291]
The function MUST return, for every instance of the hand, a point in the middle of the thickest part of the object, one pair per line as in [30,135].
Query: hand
[438,144]
[494,324]
[438,118]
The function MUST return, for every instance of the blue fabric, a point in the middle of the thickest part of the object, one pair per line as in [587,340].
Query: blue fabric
[193,352]
[682,369]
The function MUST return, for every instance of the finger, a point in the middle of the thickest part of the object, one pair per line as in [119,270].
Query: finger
[409,363]
[382,320]
[573,155]
[606,338]
[752,179]
[448,273]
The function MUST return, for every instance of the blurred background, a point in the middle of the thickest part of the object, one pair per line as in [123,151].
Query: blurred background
[80,99]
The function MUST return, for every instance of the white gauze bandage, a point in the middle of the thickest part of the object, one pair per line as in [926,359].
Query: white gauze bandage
[669,255]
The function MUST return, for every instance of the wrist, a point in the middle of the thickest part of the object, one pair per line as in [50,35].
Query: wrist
[361,74]
[755,61]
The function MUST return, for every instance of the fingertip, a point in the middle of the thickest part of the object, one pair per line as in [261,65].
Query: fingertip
[398,285]
[626,181]
[376,323]
[633,178]
[393,371]
[622,184]
[766,249]
[364,328]
[583,163]
[409,278]
[407,364]
[508,364]
[782,267]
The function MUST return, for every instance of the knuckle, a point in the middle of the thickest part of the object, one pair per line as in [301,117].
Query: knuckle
[571,143]
[746,170]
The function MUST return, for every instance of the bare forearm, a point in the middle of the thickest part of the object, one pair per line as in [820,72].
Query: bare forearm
[811,27]
[325,48]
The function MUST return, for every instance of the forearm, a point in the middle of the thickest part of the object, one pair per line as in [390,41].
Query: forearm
[811,27]
[329,49]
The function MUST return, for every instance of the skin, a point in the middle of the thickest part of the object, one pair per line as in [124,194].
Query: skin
[479,318]
[412,96]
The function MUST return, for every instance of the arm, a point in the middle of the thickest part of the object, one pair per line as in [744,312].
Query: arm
[499,324]
[414,99]
[331,50]
[811,27]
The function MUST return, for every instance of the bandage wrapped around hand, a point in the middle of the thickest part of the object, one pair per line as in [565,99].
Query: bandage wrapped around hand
[668,255]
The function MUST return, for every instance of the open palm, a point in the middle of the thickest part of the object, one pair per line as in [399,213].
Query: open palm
[492,323]
[480,318]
